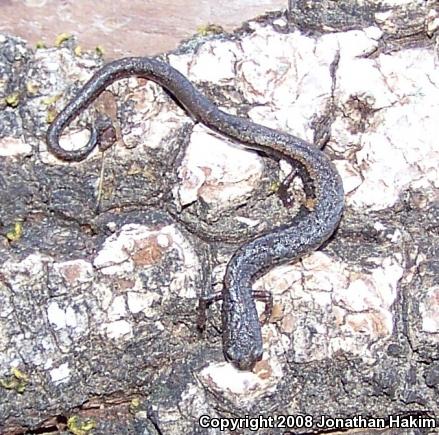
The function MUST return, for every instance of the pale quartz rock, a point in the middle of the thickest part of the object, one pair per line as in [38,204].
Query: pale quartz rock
[432,22]
[374,291]
[327,47]
[282,281]
[75,140]
[272,365]
[12,146]
[48,364]
[142,302]
[191,268]
[392,158]
[289,119]
[70,141]
[288,324]
[247,221]
[181,62]
[362,77]
[429,311]
[63,67]
[193,398]
[326,307]
[56,315]
[349,174]
[382,17]
[72,319]
[117,309]
[117,329]
[345,139]
[393,154]
[373,32]
[280,22]
[152,119]
[117,249]
[163,241]
[262,80]
[379,226]
[322,298]
[4,338]
[357,43]
[61,374]
[236,385]
[395,237]
[69,316]
[31,270]
[112,226]
[386,278]
[288,77]
[48,344]
[217,171]
[405,78]
[229,378]
[192,178]
[359,296]
[103,295]
[75,271]
[215,62]
[114,257]
[374,323]
[138,246]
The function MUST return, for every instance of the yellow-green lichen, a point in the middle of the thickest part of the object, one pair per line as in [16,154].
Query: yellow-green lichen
[19,374]
[12,99]
[51,100]
[80,426]
[209,29]
[40,44]
[100,50]
[61,38]
[17,381]
[134,405]
[51,115]
[15,234]
[78,51]
[274,186]
[32,89]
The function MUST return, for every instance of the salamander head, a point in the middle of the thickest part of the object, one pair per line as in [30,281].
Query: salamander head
[243,354]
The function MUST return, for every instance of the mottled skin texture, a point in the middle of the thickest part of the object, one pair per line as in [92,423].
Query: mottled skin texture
[242,340]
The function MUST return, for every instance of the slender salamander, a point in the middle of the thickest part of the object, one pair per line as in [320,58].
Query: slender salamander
[312,226]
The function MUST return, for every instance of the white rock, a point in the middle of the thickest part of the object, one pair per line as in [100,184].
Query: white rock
[429,311]
[215,62]
[217,171]
[118,329]
[12,146]
[56,315]
[117,309]
[60,374]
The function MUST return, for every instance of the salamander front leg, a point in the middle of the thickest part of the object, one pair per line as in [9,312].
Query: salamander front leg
[267,298]
[203,305]
[205,301]
[282,191]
